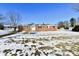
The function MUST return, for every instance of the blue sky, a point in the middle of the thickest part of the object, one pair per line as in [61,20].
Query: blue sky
[50,13]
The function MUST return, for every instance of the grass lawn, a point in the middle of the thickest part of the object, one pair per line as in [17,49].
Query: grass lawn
[8,34]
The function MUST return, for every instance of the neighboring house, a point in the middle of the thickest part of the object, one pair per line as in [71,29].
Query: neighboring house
[24,28]
[41,27]
[38,27]
[46,27]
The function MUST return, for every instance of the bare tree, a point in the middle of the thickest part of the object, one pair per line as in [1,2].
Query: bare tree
[75,7]
[73,22]
[2,18]
[2,21]
[61,25]
[14,18]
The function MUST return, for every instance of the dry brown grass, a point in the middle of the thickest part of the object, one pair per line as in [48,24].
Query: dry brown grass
[45,48]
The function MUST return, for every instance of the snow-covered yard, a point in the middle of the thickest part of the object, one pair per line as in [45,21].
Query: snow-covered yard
[2,32]
[56,43]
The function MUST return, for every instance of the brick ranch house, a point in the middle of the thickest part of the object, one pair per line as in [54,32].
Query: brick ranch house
[37,27]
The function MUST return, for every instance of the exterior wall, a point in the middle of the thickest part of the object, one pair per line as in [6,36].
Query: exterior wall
[33,28]
[52,28]
[24,28]
[46,28]
[20,28]
[38,28]
[41,27]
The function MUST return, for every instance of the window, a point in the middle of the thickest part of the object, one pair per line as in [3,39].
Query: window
[53,26]
[39,26]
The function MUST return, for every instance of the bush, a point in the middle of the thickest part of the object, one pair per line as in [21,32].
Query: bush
[33,41]
[1,26]
[66,27]
[76,28]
